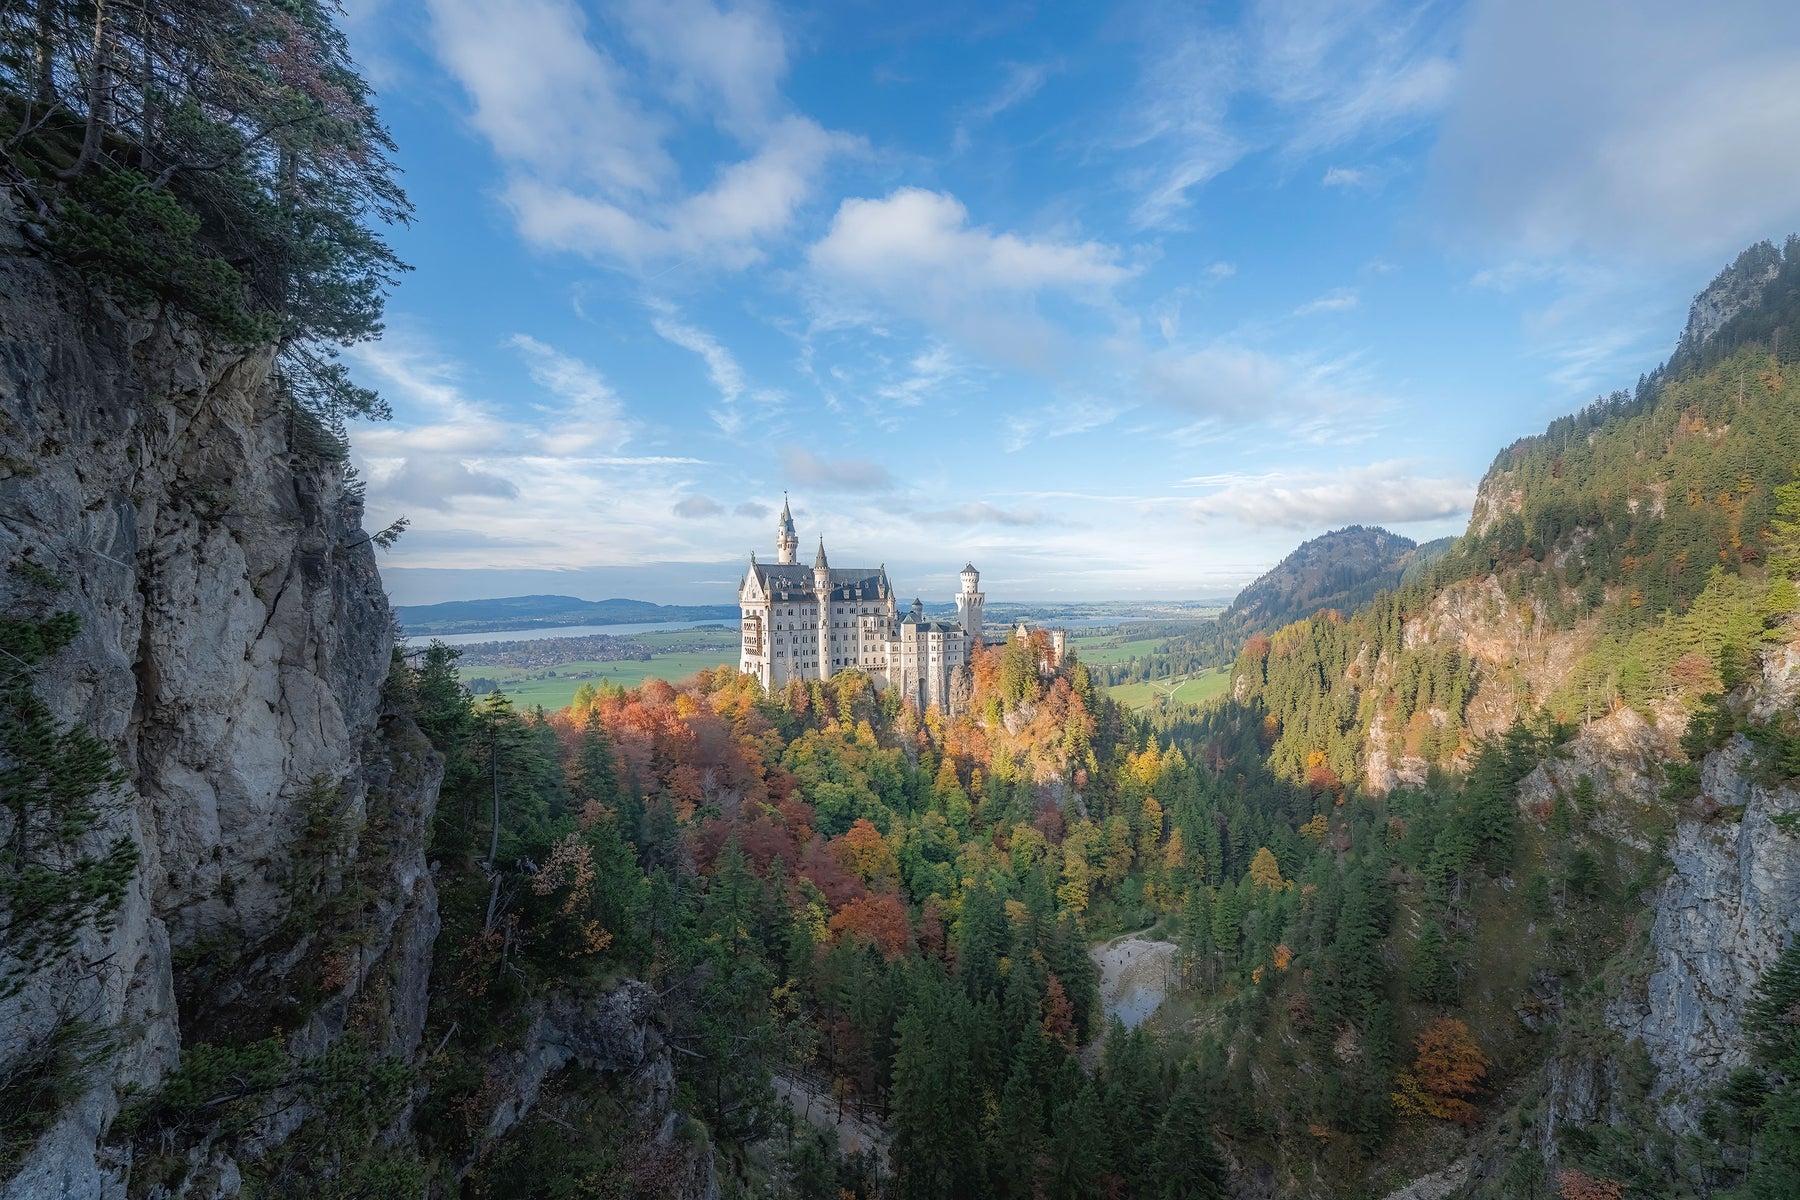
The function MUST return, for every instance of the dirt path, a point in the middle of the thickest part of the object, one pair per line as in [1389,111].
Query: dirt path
[1135,975]
[811,1102]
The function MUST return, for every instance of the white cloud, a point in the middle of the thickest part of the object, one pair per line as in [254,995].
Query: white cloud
[725,58]
[839,475]
[540,488]
[1222,270]
[438,482]
[914,251]
[914,236]
[1383,492]
[1652,130]
[583,135]
[927,372]
[1341,299]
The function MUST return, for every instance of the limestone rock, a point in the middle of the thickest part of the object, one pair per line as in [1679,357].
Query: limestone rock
[233,648]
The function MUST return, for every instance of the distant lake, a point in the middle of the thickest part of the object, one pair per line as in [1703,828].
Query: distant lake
[556,631]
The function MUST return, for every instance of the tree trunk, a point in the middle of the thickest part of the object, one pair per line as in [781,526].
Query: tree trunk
[147,89]
[99,96]
[45,51]
[494,835]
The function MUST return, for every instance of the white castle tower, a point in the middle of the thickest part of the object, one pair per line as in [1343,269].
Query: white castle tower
[787,542]
[969,603]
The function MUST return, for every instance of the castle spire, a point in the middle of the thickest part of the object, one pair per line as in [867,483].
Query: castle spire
[787,542]
[819,563]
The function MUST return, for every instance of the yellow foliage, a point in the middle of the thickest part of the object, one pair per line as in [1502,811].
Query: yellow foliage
[1265,872]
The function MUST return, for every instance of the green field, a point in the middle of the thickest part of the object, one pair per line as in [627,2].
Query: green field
[1195,689]
[554,687]
[1107,651]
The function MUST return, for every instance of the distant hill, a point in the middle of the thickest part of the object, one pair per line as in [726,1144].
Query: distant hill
[1342,569]
[546,612]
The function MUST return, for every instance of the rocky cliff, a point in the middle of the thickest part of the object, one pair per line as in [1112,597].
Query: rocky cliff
[233,654]
[1729,907]
[234,640]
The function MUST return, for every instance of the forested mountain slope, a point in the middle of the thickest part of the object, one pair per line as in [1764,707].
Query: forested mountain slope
[1343,569]
[1580,729]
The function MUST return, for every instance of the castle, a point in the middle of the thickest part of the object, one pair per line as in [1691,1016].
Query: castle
[810,623]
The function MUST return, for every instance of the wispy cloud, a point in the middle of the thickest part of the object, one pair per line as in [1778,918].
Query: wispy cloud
[1225,387]
[1319,76]
[1066,418]
[1341,299]
[1022,82]
[542,482]
[722,368]
[980,512]
[1349,178]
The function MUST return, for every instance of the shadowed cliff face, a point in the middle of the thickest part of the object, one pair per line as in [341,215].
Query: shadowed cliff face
[233,647]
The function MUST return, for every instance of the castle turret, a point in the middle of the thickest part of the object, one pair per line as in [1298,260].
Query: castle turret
[969,603]
[787,542]
[822,589]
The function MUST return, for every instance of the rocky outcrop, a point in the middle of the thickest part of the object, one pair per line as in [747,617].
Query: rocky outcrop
[233,648]
[1620,757]
[1728,909]
[1737,287]
[617,1035]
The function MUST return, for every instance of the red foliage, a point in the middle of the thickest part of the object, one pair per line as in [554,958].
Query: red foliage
[1321,778]
[820,865]
[1048,820]
[878,921]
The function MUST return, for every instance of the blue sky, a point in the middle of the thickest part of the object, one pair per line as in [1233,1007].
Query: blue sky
[1118,302]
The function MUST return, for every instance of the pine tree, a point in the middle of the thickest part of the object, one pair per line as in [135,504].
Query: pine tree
[58,784]
[1430,978]
[1187,1161]
[1018,1143]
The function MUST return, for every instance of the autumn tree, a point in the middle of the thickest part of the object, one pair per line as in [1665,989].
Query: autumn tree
[1447,1070]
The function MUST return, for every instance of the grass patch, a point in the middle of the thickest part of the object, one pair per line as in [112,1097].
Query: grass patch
[554,687]
[1110,651]
[1194,689]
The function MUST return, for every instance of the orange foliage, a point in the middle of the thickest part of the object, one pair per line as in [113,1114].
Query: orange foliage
[1449,1069]
[1579,1185]
[1059,1014]
[878,921]
[863,850]
[1284,957]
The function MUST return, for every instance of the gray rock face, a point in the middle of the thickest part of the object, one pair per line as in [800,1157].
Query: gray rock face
[1736,288]
[614,1033]
[233,647]
[1724,915]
